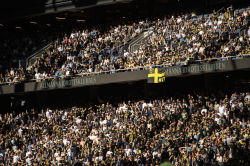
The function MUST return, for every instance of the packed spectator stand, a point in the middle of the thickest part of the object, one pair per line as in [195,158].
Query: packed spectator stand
[177,40]
[194,127]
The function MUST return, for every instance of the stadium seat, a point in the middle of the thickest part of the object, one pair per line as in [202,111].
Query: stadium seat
[236,11]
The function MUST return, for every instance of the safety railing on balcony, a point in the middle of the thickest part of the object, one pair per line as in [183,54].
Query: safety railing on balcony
[133,69]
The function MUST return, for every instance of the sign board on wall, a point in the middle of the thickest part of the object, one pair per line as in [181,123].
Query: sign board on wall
[174,71]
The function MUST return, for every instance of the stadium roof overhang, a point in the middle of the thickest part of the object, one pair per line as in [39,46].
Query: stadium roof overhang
[49,8]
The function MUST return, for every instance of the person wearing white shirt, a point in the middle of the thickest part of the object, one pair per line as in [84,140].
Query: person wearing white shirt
[84,33]
[117,125]
[100,158]
[248,32]
[27,154]
[109,152]
[44,74]
[104,121]
[190,50]
[210,23]
[65,141]
[179,19]
[56,154]
[221,109]
[178,35]
[135,150]
[20,131]
[226,49]
[155,153]
[125,53]
[68,72]
[219,158]
[167,48]
[37,75]
[201,32]
[69,57]
[137,30]
[28,160]
[58,158]
[72,35]
[159,153]
[217,119]
[60,48]
[234,103]
[15,158]
[127,150]
[100,39]
[219,22]
[101,121]
[69,152]
[78,120]
[12,72]
[149,125]
[47,113]
[92,137]
[204,110]
[247,96]
[150,104]
[144,105]
[145,154]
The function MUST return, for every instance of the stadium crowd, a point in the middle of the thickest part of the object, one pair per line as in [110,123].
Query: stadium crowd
[175,40]
[194,130]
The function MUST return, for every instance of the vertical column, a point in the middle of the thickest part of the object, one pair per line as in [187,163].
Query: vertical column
[208,81]
[43,98]
[213,78]
[147,88]
[5,103]
[93,93]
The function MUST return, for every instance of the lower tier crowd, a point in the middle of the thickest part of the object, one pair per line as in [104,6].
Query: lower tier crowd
[193,131]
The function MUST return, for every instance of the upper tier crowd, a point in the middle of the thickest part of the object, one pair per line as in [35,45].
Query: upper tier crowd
[205,129]
[174,41]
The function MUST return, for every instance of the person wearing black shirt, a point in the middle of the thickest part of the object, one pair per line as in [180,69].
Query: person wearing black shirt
[232,35]
[231,10]
[124,161]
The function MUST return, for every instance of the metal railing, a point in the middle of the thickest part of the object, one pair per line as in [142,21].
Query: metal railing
[135,40]
[133,47]
[133,69]
[162,65]
[222,58]
[28,60]
[189,16]
[242,31]
[25,60]
[218,12]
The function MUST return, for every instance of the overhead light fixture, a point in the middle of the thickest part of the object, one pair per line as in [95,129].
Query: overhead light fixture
[48,24]
[80,20]
[60,18]
[33,22]
[226,76]
[18,27]
[123,17]
[1,24]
